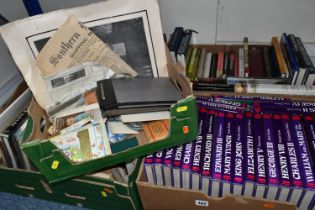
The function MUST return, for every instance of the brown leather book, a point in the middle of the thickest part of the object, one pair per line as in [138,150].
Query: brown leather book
[255,62]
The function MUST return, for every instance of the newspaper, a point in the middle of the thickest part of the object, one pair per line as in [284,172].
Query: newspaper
[73,44]
[133,31]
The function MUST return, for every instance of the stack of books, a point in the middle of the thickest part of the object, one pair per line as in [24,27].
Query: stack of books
[260,147]
[283,61]
[178,44]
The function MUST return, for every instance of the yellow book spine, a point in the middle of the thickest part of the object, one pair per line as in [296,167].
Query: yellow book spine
[190,68]
[279,55]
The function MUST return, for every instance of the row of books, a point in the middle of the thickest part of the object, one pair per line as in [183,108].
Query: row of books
[256,147]
[276,63]
[11,139]
[283,62]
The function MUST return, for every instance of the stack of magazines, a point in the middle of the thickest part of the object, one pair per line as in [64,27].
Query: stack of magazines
[262,147]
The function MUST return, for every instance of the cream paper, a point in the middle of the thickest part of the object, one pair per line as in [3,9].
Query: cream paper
[132,28]
[74,44]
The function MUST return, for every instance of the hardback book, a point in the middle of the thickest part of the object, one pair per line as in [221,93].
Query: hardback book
[218,151]
[213,67]
[175,41]
[186,165]
[261,173]
[143,117]
[306,163]
[236,65]
[253,80]
[225,65]
[176,166]
[309,77]
[250,173]
[239,165]
[188,56]
[167,166]
[296,175]
[149,170]
[292,74]
[298,57]
[199,144]
[255,62]
[18,136]
[157,164]
[231,65]
[201,62]
[196,64]
[228,154]
[271,153]
[285,168]
[183,46]
[310,132]
[9,150]
[279,55]
[265,50]
[6,155]
[291,58]
[275,66]
[247,69]
[136,95]
[207,65]
[241,70]
[192,63]
[10,137]
[220,63]
[207,154]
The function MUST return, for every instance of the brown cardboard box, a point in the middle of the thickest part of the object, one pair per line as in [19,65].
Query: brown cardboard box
[155,197]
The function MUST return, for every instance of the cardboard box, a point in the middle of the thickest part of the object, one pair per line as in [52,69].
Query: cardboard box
[56,167]
[155,197]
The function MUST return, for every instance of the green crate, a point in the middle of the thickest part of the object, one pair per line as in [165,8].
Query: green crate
[56,167]
[86,191]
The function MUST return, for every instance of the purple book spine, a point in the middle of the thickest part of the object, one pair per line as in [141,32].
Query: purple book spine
[177,161]
[207,151]
[304,155]
[296,178]
[260,98]
[169,156]
[229,147]
[285,168]
[271,152]
[148,159]
[220,107]
[239,150]
[158,157]
[222,101]
[261,177]
[196,163]
[218,149]
[310,131]
[249,142]
[188,155]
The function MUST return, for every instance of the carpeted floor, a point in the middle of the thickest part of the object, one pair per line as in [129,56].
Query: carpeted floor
[16,202]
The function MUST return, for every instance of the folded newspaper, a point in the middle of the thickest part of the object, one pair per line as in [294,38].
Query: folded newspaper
[133,31]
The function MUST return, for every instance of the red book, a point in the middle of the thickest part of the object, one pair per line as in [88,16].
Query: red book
[220,65]
[236,66]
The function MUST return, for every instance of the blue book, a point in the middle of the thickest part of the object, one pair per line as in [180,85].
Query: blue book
[292,58]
